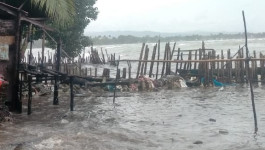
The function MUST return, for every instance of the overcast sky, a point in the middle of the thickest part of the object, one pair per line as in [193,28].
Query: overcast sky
[178,15]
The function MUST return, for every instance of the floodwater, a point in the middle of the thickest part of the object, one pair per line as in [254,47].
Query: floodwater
[213,118]
[221,118]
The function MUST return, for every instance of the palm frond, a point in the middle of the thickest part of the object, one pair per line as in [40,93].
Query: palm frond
[60,11]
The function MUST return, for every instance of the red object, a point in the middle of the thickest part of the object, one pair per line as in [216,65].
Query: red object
[1,82]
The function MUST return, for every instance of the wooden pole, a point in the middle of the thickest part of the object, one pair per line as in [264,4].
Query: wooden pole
[164,62]
[56,78]
[250,81]
[124,73]
[157,65]
[103,57]
[42,50]
[107,54]
[139,64]
[146,58]
[31,42]
[262,70]
[71,94]
[177,65]
[13,69]
[129,68]
[29,94]
[152,63]
[114,93]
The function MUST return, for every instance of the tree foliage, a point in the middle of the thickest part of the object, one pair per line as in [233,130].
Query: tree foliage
[72,36]
[68,17]
[60,12]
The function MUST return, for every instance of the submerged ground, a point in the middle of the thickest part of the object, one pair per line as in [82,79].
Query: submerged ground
[213,118]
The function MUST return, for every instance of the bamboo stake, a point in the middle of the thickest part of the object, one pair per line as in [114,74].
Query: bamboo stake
[152,63]
[165,55]
[139,64]
[177,65]
[250,81]
[158,51]
[117,75]
[146,58]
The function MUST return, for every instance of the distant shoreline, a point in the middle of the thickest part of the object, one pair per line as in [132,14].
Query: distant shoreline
[130,39]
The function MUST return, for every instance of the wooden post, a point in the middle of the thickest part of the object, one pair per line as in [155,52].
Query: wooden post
[118,74]
[29,94]
[157,65]
[58,56]
[241,67]
[107,54]
[177,63]
[222,65]
[255,75]
[106,72]
[42,49]
[90,71]
[168,70]
[152,63]
[165,56]
[130,68]
[200,64]
[139,63]
[56,78]
[168,66]
[31,42]
[96,72]
[20,87]
[250,81]
[13,69]
[195,63]
[181,58]
[124,73]
[189,58]
[262,70]
[229,66]
[55,93]
[146,58]
[115,84]
[218,67]
[103,57]
[71,94]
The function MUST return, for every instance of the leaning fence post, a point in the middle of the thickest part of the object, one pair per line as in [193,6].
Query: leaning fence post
[249,79]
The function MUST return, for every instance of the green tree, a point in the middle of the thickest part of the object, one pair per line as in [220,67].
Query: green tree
[72,36]
[68,17]
[60,12]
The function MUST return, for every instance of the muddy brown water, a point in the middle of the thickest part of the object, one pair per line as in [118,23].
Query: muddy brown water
[187,118]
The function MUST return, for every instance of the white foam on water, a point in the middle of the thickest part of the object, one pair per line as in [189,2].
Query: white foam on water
[49,143]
